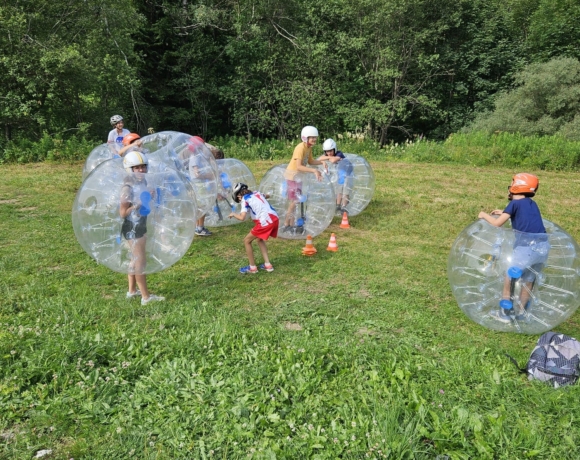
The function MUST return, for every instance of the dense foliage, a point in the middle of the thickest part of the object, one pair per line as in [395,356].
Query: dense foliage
[264,68]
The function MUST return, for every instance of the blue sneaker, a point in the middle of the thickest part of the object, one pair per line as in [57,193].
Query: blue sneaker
[248,269]
[268,267]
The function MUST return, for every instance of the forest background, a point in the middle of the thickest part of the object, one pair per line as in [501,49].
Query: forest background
[393,70]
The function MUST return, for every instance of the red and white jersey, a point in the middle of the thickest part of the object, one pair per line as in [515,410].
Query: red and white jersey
[260,210]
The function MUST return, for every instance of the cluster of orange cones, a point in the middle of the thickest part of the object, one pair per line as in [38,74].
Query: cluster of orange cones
[310,250]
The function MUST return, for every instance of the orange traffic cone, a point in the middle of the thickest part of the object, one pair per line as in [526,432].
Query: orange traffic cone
[309,249]
[332,246]
[344,223]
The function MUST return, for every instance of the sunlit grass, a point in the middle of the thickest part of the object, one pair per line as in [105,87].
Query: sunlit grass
[345,354]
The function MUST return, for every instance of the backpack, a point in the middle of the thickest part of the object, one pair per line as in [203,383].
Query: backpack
[555,359]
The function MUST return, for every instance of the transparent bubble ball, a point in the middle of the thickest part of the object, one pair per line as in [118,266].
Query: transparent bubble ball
[231,171]
[166,207]
[353,180]
[310,208]
[542,273]
[99,154]
[192,159]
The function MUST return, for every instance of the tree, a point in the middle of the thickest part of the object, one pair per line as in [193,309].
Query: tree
[546,101]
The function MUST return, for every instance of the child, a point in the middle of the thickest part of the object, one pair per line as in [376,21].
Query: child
[131,142]
[345,170]
[134,228]
[531,245]
[116,136]
[266,221]
[300,158]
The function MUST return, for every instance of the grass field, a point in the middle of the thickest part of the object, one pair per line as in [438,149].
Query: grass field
[357,354]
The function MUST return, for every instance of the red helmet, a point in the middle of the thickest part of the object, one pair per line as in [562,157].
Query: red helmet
[524,183]
[130,138]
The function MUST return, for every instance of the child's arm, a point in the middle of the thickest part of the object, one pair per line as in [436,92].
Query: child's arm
[329,158]
[137,143]
[240,216]
[502,219]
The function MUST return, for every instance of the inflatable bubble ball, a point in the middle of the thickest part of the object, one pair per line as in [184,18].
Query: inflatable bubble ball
[512,281]
[305,206]
[353,180]
[156,233]
[99,154]
[231,171]
[190,156]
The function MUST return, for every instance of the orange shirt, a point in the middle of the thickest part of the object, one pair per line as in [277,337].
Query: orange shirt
[302,156]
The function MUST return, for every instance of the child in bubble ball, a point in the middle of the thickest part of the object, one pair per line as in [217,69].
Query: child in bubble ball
[345,173]
[134,229]
[531,245]
[301,157]
[266,221]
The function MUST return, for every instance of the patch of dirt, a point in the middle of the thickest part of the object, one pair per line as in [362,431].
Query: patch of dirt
[13,201]
[292,326]
[366,331]
[33,208]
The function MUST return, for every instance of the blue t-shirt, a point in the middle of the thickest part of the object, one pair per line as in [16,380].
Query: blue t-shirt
[525,216]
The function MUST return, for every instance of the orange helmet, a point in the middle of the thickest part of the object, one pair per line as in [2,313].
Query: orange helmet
[524,183]
[130,138]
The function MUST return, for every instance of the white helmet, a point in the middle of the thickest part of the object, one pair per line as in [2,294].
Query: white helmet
[134,158]
[329,144]
[308,131]
[116,119]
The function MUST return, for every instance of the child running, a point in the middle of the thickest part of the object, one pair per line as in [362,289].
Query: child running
[266,221]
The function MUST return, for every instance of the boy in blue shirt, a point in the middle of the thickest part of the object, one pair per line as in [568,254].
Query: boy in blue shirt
[531,245]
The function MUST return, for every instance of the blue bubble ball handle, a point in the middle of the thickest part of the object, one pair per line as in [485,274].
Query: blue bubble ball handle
[145,209]
[226,183]
[515,272]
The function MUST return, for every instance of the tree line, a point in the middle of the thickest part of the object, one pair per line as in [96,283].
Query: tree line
[392,69]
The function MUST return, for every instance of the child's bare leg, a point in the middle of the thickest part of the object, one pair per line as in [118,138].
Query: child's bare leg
[344,201]
[290,214]
[132,284]
[506,294]
[264,251]
[138,264]
[249,250]
[142,283]
[525,295]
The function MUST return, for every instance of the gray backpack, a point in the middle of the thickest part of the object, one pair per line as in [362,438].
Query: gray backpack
[555,359]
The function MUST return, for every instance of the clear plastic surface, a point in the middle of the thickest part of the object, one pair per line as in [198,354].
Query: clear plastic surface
[512,281]
[231,171]
[307,208]
[99,154]
[162,223]
[353,180]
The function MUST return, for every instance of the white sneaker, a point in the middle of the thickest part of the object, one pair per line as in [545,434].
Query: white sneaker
[130,295]
[151,298]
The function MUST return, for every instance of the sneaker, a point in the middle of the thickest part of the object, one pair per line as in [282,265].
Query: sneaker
[248,269]
[287,229]
[501,316]
[268,267]
[343,210]
[130,295]
[299,230]
[151,298]
[338,208]
[202,232]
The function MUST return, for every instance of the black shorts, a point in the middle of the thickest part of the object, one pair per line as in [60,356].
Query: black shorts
[134,230]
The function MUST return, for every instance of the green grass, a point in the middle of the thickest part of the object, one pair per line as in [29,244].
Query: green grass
[345,354]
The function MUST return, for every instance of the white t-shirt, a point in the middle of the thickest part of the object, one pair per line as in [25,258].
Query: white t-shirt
[259,208]
[117,139]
